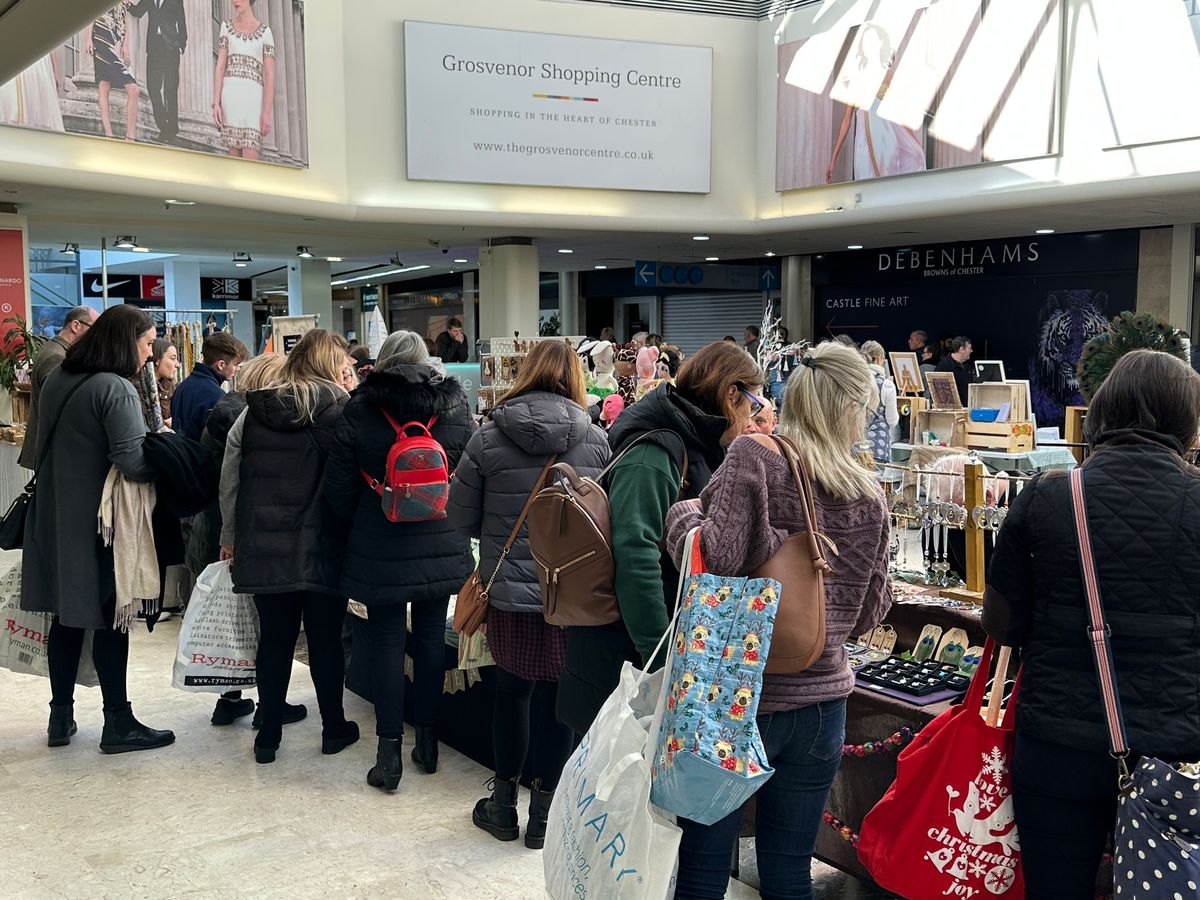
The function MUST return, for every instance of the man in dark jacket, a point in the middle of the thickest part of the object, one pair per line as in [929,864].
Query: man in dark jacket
[49,357]
[452,343]
[166,41]
[956,362]
[200,391]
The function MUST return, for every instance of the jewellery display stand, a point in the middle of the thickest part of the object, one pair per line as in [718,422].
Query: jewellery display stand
[500,361]
[974,497]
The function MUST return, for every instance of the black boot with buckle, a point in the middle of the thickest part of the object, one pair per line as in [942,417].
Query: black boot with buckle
[62,725]
[539,811]
[497,814]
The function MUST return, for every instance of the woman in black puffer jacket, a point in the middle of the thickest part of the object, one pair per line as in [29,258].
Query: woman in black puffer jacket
[542,416]
[390,564]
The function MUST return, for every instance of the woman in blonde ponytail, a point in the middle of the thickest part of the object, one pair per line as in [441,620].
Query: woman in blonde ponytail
[745,514]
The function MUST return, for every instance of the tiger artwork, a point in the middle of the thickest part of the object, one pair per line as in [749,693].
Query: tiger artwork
[1068,320]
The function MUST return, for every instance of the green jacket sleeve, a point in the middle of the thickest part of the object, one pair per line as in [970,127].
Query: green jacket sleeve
[641,490]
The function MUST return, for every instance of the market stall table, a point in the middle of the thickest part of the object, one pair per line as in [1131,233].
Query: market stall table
[1029,462]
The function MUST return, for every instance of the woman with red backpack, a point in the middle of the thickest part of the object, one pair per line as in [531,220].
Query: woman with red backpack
[401,551]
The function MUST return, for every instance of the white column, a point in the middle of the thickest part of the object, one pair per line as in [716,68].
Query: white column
[468,317]
[309,292]
[1183,276]
[182,284]
[243,323]
[796,297]
[508,289]
[569,313]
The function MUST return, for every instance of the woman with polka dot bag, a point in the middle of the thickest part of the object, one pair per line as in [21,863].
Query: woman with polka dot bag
[1156,842]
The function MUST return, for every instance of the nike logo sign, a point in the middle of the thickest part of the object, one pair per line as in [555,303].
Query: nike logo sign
[98,287]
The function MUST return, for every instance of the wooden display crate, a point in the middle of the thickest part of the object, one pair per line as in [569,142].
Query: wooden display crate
[948,425]
[1013,436]
[1073,429]
[21,399]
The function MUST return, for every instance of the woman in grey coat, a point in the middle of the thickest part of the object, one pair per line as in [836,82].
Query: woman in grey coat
[91,419]
[542,416]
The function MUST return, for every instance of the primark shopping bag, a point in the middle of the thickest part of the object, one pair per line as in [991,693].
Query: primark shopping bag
[709,756]
[218,642]
[945,828]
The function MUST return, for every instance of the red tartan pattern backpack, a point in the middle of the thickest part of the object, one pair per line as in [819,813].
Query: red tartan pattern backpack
[416,484]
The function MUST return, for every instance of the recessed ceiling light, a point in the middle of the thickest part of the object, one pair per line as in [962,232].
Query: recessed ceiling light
[565,250]
[599,267]
[769,253]
[854,246]
[462,260]
[1045,231]
[140,249]
[304,252]
[126,243]
[241,259]
[712,259]
[333,259]
[180,202]
[699,237]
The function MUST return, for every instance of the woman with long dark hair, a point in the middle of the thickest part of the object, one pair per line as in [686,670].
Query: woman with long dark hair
[90,420]
[542,415]
[282,537]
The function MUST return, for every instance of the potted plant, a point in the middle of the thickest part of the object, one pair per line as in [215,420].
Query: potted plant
[17,352]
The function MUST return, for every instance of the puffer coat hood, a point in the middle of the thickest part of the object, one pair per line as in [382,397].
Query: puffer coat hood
[542,424]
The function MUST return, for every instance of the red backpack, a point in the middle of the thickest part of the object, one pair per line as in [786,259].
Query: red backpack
[416,485]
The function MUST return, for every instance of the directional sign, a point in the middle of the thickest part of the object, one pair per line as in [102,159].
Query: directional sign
[645,273]
[768,278]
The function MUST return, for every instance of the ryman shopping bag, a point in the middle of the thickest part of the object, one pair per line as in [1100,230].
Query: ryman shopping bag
[24,636]
[604,839]
[710,758]
[218,642]
[945,828]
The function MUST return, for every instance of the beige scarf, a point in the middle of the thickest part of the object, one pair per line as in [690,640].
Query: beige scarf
[125,525]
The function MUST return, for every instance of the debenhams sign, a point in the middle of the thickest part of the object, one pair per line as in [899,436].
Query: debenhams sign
[959,259]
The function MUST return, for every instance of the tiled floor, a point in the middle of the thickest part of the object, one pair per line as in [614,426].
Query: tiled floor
[201,820]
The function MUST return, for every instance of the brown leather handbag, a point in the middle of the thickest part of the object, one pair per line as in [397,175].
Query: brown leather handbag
[471,607]
[800,567]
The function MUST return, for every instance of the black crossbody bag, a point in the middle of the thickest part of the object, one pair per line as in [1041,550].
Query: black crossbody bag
[12,526]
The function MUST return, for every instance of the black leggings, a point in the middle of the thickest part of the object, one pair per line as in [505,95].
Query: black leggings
[388,627]
[110,653]
[1065,801]
[280,616]
[524,725]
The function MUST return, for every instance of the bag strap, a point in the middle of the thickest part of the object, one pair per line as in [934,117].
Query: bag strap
[683,482]
[54,427]
[401,430]
[800,475]
[1098,632]
[512,537]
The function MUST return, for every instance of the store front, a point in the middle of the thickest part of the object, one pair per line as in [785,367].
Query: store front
[1032,302]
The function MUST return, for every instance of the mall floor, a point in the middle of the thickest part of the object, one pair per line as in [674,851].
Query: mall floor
[201,820]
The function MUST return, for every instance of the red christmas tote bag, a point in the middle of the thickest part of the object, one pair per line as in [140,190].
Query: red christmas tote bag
[945,828]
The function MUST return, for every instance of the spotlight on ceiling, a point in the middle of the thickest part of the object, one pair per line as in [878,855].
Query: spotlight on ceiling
[700,237]
[304,253]
[854,246]
[241,260]
[712,259]
[461,261]
[71,249]
[1045,231]
[141,249]
[769,253]
[333,259]
[395,260]
[125,242]
[180,202]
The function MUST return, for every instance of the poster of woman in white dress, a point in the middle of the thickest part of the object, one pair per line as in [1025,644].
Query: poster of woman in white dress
[215,76]
[914,85]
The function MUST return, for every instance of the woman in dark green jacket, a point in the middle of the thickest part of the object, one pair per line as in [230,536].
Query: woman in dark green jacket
[711,403]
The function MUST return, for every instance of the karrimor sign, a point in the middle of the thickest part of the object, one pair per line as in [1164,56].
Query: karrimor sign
[515,107]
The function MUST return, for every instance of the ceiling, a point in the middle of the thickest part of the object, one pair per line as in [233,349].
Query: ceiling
[210,235]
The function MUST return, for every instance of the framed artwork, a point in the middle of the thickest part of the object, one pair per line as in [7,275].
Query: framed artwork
[906,369]
[943,390]
[487,368]
[990,370]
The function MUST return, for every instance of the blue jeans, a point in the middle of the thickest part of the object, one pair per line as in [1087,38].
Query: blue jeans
[805,747]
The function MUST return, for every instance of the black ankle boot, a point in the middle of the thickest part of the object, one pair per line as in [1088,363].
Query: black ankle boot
[337,741]
[539,811]
[62,725]
[425,753]
[388,766]
[497,814]
[125,734]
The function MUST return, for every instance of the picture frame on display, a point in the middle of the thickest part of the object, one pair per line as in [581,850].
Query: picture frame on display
[487,368]
[990,370]
[943,390]
[906,370]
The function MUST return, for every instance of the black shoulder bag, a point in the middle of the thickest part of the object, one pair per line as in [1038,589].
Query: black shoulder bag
[12,526]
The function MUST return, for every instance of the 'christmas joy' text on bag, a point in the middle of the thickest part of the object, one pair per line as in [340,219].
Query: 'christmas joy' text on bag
[218,642]
[710,757]
[945,828]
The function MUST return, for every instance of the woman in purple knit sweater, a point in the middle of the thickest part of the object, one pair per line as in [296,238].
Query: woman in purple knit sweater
[747,511]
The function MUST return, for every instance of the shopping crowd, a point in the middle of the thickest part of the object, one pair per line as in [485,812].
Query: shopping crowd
[288,451]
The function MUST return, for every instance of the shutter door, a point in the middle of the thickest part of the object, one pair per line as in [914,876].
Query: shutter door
[695,320]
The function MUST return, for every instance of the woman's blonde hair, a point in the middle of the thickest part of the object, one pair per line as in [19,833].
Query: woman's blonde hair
[873,350]
[552,367]
[312,368]
[823,411]
[261,372]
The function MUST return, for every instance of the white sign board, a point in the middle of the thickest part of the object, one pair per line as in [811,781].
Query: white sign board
[513,107]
